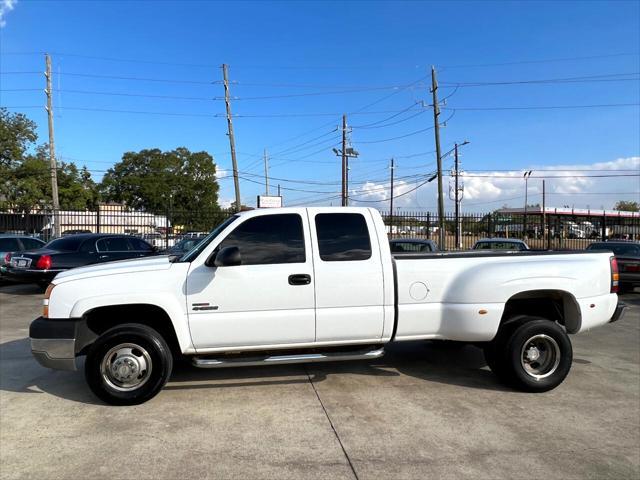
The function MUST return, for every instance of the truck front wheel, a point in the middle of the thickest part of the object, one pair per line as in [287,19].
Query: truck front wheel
[128,365]
[535,356]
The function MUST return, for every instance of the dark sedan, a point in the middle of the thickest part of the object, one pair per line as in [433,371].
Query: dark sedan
[42,264]
[412,245]
[628,257]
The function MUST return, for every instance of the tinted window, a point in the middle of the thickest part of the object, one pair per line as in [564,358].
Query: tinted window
[9,245]
[269,239]
[65,244]
[31,243]
[499,246]
[113,244]
[89,246]
[617,249]
[414,247]
[140,245]
[342,237]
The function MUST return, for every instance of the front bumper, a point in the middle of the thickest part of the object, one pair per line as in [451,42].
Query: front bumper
[55,343]
[29,275]
[619,312]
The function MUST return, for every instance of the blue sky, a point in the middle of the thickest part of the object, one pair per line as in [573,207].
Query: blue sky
[304,52]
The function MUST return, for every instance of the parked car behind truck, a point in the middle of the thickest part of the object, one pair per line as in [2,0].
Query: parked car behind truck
[628,257]
[42,264]
[295,285]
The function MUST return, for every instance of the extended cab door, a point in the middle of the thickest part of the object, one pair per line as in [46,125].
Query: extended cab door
[349,276]
[266,300]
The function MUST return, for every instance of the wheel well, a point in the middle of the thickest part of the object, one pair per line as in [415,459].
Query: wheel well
[101,319]
[556,305]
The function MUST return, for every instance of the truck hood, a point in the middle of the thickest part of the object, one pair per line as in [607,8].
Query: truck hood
[115,268]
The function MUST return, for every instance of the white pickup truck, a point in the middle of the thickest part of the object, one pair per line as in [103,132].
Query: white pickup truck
[295,285]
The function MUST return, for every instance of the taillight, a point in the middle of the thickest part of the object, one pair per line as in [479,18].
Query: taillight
[615,276]
[44,262]
[7,258]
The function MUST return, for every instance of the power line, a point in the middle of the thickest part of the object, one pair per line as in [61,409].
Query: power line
[549,60]
[591,78]
[141,79]
[406,135]
[546,107]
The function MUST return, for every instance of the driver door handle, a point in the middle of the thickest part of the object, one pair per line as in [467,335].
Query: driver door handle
[299,279]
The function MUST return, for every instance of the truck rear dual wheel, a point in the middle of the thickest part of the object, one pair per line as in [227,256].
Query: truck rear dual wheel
[128,365]
[532,354]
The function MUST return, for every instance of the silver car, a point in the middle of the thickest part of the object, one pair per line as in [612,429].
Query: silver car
[17,243]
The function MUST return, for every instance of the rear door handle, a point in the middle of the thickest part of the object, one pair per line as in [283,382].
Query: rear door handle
[299,279]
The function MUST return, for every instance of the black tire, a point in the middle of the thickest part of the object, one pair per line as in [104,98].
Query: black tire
[494,351]
[145,364]
[537,356]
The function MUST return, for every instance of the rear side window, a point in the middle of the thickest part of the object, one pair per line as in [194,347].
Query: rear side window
[342,237]
[269,239]
[113,244]
[31,243]
[9,245]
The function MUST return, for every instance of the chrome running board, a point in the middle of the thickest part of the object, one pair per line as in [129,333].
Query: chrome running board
[220,362]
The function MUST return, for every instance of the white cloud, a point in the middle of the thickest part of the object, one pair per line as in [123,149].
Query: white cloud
[5,7]
[485,191]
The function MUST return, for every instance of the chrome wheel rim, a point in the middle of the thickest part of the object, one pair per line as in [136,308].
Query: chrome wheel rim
[126,366]
[540,356]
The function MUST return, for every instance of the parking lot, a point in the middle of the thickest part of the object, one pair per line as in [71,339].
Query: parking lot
[425,409]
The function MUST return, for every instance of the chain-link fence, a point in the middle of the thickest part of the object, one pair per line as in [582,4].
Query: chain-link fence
[164,229]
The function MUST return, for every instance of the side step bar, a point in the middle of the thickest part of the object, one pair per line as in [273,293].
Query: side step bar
[220,362]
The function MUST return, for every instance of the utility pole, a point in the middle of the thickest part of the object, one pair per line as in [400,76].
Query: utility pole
[232,142]
[436,129]
[345,153]
[544,216]
[52,150]
[526,201]
[391,200]
[345,191]
[457,198]
[266,172]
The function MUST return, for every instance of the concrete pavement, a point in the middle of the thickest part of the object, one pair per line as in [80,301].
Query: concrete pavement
[425,409]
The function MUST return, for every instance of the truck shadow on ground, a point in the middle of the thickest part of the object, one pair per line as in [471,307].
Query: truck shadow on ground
[440,362]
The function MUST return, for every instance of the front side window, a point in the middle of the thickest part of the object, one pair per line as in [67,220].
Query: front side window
[269,239]
[342,237]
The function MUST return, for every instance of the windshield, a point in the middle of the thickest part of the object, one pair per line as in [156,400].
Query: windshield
[195,251]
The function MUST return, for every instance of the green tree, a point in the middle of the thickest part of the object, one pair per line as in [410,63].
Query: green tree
[17,135]
[627,206]
[25,176]
[177,181]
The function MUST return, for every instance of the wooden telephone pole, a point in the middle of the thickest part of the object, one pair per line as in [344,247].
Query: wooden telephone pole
[391,201]
[232,142]
[52,150]
[345,167]
[266,172]
[436,129]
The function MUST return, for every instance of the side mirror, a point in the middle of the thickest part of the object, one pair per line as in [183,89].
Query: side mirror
[227,257]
